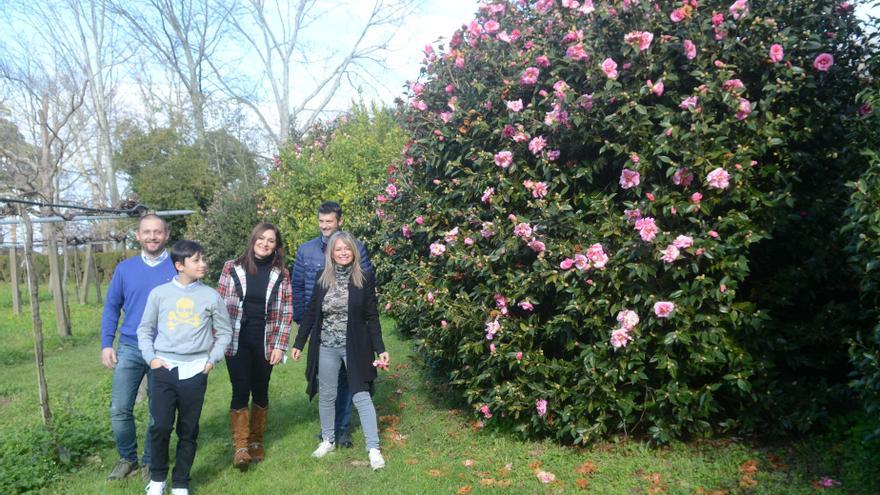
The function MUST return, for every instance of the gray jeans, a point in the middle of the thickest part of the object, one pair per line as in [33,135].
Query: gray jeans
[330,359]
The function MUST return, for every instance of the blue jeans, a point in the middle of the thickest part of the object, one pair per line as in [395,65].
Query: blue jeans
[343,407]
[127,376]
[330,360]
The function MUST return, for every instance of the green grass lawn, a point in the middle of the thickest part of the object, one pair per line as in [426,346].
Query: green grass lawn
[430,447]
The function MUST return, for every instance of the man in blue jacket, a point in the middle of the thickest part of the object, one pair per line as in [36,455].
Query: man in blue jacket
[307,267]
[132,282]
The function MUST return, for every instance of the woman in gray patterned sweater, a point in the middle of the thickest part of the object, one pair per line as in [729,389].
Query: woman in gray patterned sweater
[342,324]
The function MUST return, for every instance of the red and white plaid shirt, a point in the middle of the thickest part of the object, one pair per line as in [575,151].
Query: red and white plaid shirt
[279,305]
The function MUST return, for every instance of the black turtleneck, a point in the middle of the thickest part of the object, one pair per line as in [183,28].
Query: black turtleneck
[255,297]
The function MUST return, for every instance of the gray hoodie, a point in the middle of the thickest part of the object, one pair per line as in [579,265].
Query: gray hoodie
[184,323]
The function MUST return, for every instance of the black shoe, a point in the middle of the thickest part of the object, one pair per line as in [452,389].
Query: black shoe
[123,469]
[345,441]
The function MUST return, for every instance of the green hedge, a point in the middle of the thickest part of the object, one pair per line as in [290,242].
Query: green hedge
[106,264]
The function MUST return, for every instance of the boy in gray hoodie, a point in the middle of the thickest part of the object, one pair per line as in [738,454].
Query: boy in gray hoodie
[184,331]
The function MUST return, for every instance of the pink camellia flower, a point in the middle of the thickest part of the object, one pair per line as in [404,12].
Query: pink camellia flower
[690,50]
[744,109]
[609,67]
[683,242]
[492,327]
[776,53]
[587,7]
[677,15]
[640,38]
[546,476]
[722,288]
[577,52]
[437,249]
[430,297]
[553,155]
[487,195]
[387,307]
[443,324]
[865,110]
[647,228]
[734,85]
[530,76]
[560,87]
[491,350]
[823,62]
[417,88]
[519,356]
[468,241]
[526,305]
[405,230]
[500,300]
[459,62]
[391,190]
[670,254]
[486,230]
[713,234]
[503,159]
[633,215]
[699,252]
[634,157]
[523,230]
[696,198]
[664,309]
[570,4]
[572,36]
[520,137]
[420,220]
[450,88]
[541,407]
[537,246]
[629,179]
[581,262]
[827,482]
[628,319]
[650,196]
[596,255]
[451,236]
[682,177]
[539,190]
[511,217]
[739,9]
[382,198]
[445,117]
[619,338]
[655,87]
[515,105]
[491,26]
[718,178]
[537,144]
[542,61]
[419,105]
[688,103]
[484,409]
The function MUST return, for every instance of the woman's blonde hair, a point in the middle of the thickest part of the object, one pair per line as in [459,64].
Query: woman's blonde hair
[328,277]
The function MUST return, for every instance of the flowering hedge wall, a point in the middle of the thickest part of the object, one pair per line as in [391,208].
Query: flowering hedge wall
[572,225]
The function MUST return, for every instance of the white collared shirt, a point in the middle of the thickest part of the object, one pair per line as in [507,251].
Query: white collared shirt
[153,262]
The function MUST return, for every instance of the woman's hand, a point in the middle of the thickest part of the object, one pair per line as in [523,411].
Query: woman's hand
[275,356]
[295,353]
[385,358]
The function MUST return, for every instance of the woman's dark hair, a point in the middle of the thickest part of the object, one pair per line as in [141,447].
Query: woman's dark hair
[247,259]
[183,249]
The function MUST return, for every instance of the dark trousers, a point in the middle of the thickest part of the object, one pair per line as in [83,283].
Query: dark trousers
[343,407]
[183,399]
[249,372]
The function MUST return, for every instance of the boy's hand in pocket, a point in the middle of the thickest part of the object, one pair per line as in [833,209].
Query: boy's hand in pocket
[208,368]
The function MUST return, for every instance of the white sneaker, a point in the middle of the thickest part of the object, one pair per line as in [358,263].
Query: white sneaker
[323,449]
[156,488]
[376,459]
[180,491]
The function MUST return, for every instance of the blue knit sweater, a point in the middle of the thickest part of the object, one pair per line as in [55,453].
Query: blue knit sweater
[128,291]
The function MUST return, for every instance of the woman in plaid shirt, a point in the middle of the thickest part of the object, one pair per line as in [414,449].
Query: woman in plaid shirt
[256,288]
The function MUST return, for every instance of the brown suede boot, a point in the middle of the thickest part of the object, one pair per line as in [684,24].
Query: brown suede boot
[258,425]
[239,420]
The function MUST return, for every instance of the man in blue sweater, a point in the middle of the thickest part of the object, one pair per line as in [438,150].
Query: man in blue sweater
[132,282]
[307,267]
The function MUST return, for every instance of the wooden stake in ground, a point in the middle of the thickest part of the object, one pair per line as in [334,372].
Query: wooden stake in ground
[84,292]
[13,276]
[76,274]
[36,322]
[62,312]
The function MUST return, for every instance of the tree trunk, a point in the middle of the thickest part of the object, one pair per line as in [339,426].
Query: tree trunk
[62,314]
[36,322]
[64,271]
[13,279]
[87,272]
[97,278]
[76,275]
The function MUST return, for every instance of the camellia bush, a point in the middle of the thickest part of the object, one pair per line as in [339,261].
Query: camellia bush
[573,226]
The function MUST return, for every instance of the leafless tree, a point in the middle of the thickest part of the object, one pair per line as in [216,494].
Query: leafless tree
[181,35]
[302,78]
